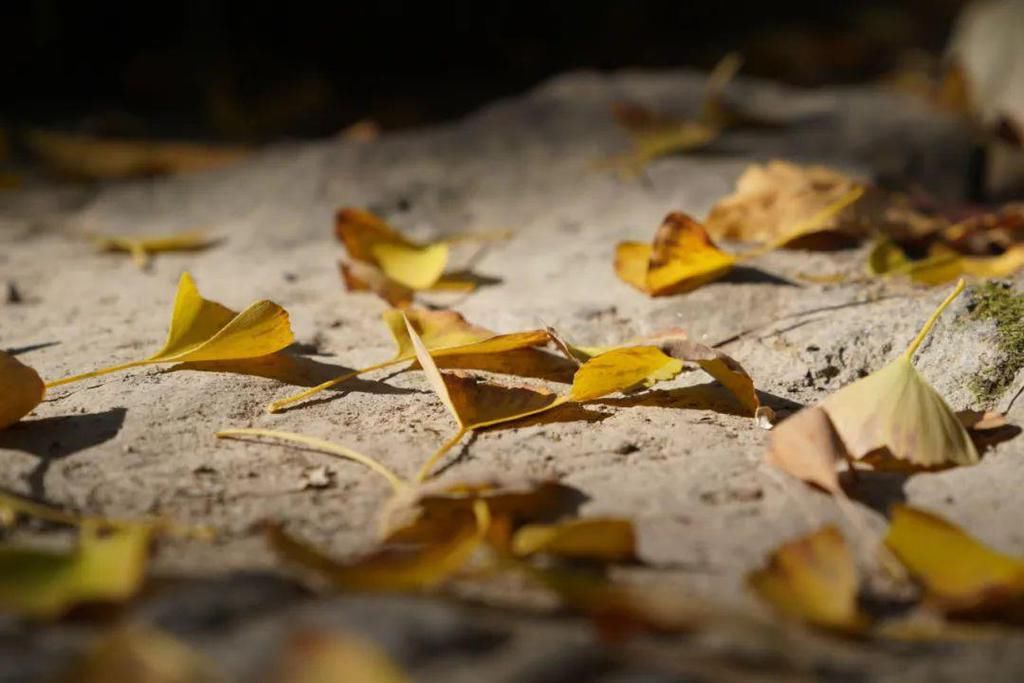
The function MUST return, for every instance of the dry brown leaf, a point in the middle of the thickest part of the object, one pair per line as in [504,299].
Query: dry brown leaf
[93,158]
[770,199]
[813,579]
[808,447]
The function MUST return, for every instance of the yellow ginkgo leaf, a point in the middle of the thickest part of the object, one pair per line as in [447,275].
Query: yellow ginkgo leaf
[444,333]
[622,369]
[330,657]
[366,277]
[203,330]
[391,568]
[891,413]
[367,238]
[475,405]
[813,579]
[942,264]
[142,248]
[959,573]
[21,390]
[681,259]
[412,266]
[103,568]
[143,655]
[606,540]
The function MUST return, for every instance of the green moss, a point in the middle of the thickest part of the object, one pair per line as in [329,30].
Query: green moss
[1005,307]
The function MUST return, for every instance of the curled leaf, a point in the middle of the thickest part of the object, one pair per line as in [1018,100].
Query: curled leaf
[605,540]
[21,390]
[813,579]
[143,247]
[681,259]
[893,413]
[102,568]
[204,330]
[960,574]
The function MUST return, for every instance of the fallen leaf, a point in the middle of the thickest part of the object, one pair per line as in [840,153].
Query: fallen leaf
[943,264]
[141,654]
[21,390]
[94,158]
[770,199]
[681,259]
[960,575]
[813,579]
[204,330]
[893,413]
[605,540]
[390,568]
[476,404]
[102,568]
[445,334]
[436,510]
[654,135]
[330,657]
[142,248]
[364,277]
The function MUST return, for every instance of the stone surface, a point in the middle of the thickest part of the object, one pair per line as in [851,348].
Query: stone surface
[682,461]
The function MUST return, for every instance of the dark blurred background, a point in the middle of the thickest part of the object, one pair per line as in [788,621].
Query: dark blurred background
[235,71]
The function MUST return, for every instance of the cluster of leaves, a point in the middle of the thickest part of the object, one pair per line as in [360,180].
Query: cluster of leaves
[783,206]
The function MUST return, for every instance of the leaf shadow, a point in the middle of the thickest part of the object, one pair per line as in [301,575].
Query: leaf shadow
[877,489]
[708,396]
[292,369]
[31,347]
[53,438]
[567,412]
[751,275]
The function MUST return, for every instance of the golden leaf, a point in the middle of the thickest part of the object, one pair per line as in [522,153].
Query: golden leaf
[813,579]
[391,568]
[103,568]
[621,369]
[142,655]
[95,158]
[365,277]
[445,333]
[321,657]
[959,574]
[892,412]
[681,259]
[607,540]
[21,390]
[942,264]
[143,247]
[203,330]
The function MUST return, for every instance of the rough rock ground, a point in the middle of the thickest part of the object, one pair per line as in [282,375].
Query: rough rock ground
[682,462]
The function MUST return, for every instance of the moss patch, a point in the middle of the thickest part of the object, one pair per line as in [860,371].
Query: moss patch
[1005,307]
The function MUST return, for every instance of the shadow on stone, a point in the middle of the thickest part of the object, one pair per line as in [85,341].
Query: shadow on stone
[53,438]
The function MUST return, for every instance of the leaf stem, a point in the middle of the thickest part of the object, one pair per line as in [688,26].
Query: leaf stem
[912,349]
[281,404]
[424,472]
[97,373]
[319,444]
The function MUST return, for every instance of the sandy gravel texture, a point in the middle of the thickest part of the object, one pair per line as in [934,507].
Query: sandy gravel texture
[682,460]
